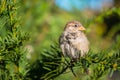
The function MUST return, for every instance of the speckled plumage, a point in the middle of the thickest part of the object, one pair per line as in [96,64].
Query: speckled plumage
[73,41]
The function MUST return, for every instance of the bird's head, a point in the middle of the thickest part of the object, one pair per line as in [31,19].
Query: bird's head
[74,26]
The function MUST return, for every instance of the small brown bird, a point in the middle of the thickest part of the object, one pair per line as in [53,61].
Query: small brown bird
[73,42]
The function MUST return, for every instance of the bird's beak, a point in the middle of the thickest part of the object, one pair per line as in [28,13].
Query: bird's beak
[81,28]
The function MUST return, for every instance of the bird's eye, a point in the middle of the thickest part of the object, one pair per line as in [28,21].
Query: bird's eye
[76,25]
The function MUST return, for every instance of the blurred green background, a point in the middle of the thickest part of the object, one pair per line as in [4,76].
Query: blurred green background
[46,19]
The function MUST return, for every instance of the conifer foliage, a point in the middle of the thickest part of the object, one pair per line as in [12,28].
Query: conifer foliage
[12,39]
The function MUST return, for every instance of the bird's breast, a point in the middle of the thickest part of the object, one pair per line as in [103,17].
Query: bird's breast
[80,43]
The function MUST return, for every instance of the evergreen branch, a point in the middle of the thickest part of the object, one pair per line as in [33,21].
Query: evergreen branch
[102,62]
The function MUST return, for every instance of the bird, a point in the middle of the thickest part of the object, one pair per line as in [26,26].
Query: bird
[73,41]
